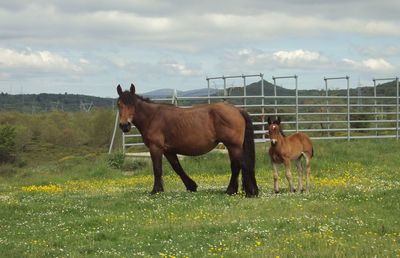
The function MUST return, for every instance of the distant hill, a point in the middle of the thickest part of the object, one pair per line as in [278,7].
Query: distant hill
[48,102]
[159,94]
[167,93]
[75,102]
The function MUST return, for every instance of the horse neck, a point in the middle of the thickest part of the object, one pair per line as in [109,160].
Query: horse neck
[144,111]
[281,141]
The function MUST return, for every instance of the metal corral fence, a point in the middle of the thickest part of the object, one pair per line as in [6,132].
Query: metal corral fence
[367,112]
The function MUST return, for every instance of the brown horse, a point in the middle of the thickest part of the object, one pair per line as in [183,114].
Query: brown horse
[168,130]
[284,149]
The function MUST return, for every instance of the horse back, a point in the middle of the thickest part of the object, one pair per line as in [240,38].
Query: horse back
[197,130]
[304,142]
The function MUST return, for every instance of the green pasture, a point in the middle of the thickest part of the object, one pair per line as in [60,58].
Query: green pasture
[76,203]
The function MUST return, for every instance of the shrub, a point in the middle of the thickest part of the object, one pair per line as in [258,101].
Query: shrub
[135,164]
[7,170]
[116,160]
[7,143]
[101,124]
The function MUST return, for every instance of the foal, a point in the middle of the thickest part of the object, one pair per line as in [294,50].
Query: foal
[284,149]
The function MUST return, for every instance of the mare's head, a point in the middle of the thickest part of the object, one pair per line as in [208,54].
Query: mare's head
[274,130]
[126,106]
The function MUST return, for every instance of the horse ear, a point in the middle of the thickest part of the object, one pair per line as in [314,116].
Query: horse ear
[269,120]
[279,120]
[133,90]
[119,90]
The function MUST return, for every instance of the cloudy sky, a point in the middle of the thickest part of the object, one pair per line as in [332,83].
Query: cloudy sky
[90,46]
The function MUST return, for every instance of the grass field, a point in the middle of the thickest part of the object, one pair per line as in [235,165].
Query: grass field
[77,206]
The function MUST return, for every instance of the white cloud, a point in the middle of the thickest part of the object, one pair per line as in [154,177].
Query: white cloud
[258,60]
[36,60]
[297,57]
[374,65]
[183,28]
[180,68]
[102,41]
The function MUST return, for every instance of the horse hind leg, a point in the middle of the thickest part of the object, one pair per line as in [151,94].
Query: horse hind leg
[308,171]
[234,156]
[176,165]
[300,174]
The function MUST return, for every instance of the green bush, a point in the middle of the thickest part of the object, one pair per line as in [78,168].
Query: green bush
[67,129]
[7,143]
[116,160]
[101,123]
[135,164]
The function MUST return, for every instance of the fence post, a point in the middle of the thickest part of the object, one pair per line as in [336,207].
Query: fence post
[225,92]
[375,109]
[397,108]
[113,135]
[208,92]
[328,125]
[262,106]
[297,105]
[123,142]
[244,91]
[275,100]
[348,108]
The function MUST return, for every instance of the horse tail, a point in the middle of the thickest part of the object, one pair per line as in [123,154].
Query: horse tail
[249,158]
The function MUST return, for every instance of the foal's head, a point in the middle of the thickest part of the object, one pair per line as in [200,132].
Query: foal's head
[274,130]
[126,106]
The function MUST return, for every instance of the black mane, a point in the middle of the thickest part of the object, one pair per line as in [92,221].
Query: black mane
[127,98]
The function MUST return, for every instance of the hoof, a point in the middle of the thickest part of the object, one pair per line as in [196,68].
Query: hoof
[231,192]
[276,191]
[251,194]
[192,188]
[156,191]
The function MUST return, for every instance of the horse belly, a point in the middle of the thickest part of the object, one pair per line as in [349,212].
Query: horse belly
[194,149]
[192,144]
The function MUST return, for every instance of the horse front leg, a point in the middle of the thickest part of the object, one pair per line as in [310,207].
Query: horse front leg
[175,164]
[156,158]
[276,177]
[288,174]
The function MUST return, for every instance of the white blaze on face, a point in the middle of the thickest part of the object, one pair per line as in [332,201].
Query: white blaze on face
[273,140]
[130,120]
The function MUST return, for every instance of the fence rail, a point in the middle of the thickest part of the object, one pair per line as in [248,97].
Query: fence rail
[321,116]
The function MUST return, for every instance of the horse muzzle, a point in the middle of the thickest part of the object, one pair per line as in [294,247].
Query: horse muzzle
[125,127]
[274,141]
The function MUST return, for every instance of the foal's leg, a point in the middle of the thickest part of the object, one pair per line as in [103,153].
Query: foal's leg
[289,175]
[276,177]
[156,158]
[300,174]
[235,155]
[175,164]
[308,172]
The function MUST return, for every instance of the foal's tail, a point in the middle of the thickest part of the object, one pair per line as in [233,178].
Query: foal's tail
[249,159]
